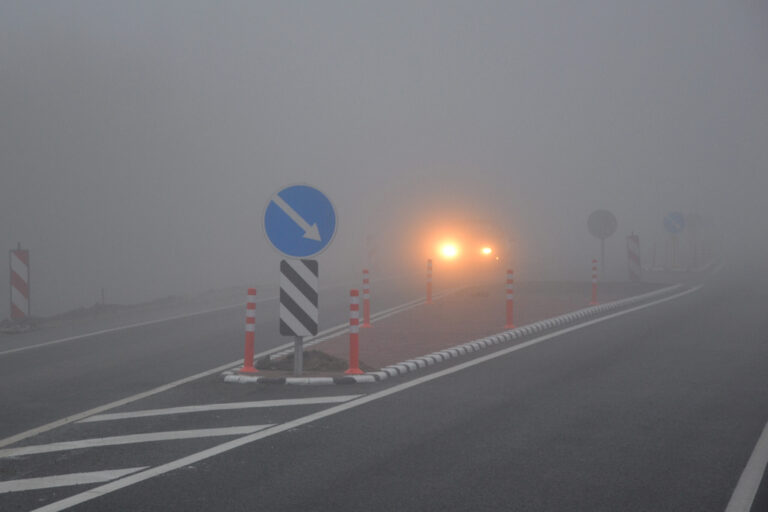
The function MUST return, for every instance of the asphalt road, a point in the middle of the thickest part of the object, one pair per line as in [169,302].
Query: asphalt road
[658,409]
[51,382]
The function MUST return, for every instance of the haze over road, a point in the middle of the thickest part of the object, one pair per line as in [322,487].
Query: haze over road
[537,163]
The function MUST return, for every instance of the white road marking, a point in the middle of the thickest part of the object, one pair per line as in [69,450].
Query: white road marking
[125,327]
[170,435]
[167,319]
[46,482]
[321,336]
[220,407]
[277,429]
[749,482]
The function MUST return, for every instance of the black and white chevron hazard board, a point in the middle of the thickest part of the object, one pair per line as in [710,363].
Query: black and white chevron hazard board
[298,297]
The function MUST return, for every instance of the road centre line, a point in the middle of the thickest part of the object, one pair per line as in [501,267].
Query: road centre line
[170,435]
[165,387]
[46,482]
[221,407]
[277,429]
[746,489]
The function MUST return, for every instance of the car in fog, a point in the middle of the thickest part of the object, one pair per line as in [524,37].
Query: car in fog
[475,243]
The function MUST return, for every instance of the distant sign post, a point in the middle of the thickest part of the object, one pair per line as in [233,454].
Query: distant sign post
[693,226]
[602,224]
[300,222]
[674,223]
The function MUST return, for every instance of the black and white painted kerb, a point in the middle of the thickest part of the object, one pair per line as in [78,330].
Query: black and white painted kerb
[515,334]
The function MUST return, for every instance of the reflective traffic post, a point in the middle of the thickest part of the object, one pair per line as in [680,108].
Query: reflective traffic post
[250,328]
[510,298]
[366,299]
[354,336]
[594,283]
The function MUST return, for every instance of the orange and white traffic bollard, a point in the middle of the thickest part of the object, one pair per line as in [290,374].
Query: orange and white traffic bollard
[366,299]
[429,281]
[354,336]
[594,283]
[510,299]
[250,329]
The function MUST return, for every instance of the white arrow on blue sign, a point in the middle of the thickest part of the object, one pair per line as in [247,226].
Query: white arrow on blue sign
[674,222]
[300,221]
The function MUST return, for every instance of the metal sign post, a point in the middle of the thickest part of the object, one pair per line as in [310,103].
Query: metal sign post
[298,304]
[300,222]
[298,355]
[674,223]
[602,224]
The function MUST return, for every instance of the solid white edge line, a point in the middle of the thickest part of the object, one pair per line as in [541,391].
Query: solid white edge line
[288,402]
[46,482]
[744,494]
[149,437]
[236,443]
[165,387]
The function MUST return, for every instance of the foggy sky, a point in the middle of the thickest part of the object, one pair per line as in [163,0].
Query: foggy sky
[141,141]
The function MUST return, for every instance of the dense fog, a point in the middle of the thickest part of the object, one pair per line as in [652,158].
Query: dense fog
[140,142]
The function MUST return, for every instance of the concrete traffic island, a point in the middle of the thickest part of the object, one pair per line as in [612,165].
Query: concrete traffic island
[431,333]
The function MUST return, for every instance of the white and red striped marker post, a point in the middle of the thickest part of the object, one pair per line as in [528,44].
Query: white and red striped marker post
[19,276]
[510,299]
[594,283]
[633,258]
[429,281]
[250,329]
[354,336]
[366,299]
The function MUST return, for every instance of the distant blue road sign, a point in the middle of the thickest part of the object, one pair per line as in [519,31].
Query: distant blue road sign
[674,222]
[300,221]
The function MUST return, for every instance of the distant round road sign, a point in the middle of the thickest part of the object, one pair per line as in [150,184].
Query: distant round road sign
[601,224]
[674,222]
[300,221]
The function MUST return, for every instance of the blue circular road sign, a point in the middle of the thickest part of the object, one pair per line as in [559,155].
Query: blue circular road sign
[300,221]
[674,222]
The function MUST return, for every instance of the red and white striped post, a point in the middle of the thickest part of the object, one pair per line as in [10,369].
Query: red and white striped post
[19,276]
[366,299]
[594,283]
[354,336]
[250,329]
[510,299]
[429,281]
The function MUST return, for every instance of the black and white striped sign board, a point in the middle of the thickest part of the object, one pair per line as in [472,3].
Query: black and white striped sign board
[298,297]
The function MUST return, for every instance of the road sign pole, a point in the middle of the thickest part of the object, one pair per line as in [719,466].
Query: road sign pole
[298,356]
[633,258]
[594,283]
[429,281]
[250,328]
[674,251]
[366,299]
[602,256]
[354,336]
[510,299]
